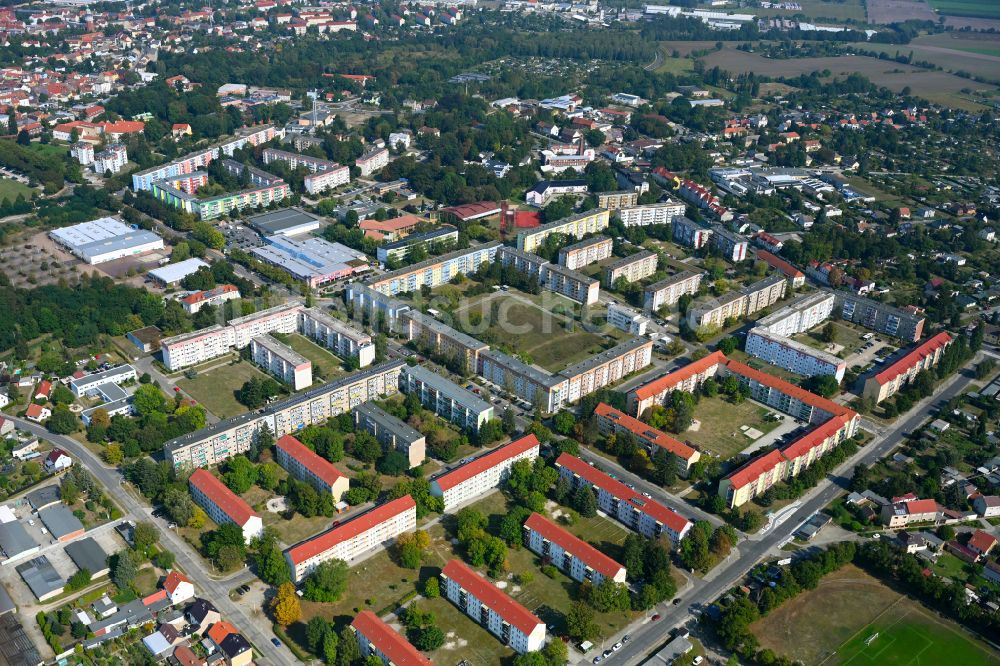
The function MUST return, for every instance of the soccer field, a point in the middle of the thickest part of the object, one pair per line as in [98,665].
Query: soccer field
[911,636]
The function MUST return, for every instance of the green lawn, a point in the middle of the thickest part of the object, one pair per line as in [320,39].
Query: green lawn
[9,189]
[326,365]
[850,338]
[720,420]
[215,389]
[949,566]
[548,340]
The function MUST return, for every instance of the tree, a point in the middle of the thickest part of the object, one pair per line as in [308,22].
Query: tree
[410,555]
[584,501]
[271,565]
[317,630]
[229,557]
[829,333]
[240,474]
[79,580]
[164,559]
[113,454]
[556,653]
[348,652]
[564,422]
[285,605]
[144,536]
[429,639]
[608,596]
[267,476]
[824,385]
[62,421]
[148,398]
[728,345]
[432,589]
[580,623]
[366,448]
[327,581]
[124,570]
[198,518]
[69,492]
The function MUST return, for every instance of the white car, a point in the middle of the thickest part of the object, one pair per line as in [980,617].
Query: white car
[617,646]
[698,660]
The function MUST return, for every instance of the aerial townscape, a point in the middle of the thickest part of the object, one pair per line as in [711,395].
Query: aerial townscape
[500,333]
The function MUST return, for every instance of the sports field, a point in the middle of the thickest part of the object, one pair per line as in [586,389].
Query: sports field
[831,624]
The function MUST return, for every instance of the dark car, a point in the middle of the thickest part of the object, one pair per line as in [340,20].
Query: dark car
[656,616]
[275,642]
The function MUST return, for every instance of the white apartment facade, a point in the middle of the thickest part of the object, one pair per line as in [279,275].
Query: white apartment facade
[793,356]
[669,290]
[281,361]
[571,555]
[486,472]
[372,161]
[627,319]
[306,465]
[650,214]
[486,604]
[357,536]
[337,336]
[633,267]
[223,505]
[588,251]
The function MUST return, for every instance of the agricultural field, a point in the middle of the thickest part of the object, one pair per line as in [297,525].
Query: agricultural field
[940,87]
[974,8]
[718,430]
[216,389]
[977,53]
[822,10]
[551,341]
[832,623]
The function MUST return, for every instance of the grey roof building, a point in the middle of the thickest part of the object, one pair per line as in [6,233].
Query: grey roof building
[61,522]
[7,604]
[88,554]
[15,540]
[16,647]
[43,497]
[286,221]
[39,574]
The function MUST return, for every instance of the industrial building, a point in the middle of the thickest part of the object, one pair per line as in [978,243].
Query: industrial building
[105,239]
[285,222]
[172,274]
[313,261]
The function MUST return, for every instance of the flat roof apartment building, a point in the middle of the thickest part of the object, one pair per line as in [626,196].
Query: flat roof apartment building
[375,304]
[482,474]
[443,339]
[192,348]
[282,361]
[443,236]
[390,431]
[906,324]
[219,441]
[377,638]
[606,367]
[800,315]
[571,555]
[736,304]
[372,161]
[373,529]
[577,226]
[223,505]
[650,214]
[323,174]
[688,378]
[793,356]
[640,514]
[615,200]
[486,604]
[571,284]
[627,319]
[669,290]
[588,251]
[436,271]
[611,420]
[534,384]
[633,267]
[924,356]
[445,398]
[306,465]
[337,336]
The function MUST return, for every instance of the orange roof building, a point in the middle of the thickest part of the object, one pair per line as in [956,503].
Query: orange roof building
[611,420]
[306,465]
[572,555]
[375,637]
[892,379]
[223,505]
[483,473]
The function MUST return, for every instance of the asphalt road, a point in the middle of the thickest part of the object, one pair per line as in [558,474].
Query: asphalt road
[251,622]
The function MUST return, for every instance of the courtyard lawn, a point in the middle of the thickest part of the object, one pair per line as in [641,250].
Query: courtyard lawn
[720,420]
[549,340]
[845,336]
[298,528]
[9,189]
[831,623]
[464,639]
[603,533]
[326,366]
[216,389]
[949,566]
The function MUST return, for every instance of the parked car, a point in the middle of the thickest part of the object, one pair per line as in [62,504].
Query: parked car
[276,642]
